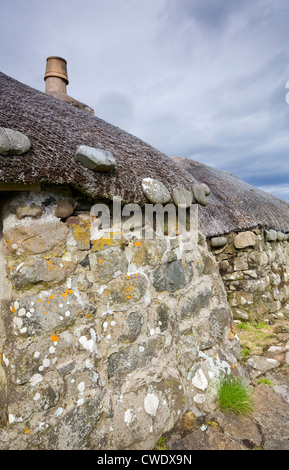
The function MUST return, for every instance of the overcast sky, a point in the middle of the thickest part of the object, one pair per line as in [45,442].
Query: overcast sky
[204,79]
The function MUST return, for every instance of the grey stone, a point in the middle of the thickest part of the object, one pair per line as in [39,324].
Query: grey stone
[206,189]
[134,323]
[201,238]
[182,196]
[155,191]
[64,209]
[275,306]
[94,158]
[280,236]
[13,142]
[195,302]
[131,358]
[270,235]
[218,242]
[28,211]
[259,365]
[199,194]
[172,276]
[40,270]
[162,317]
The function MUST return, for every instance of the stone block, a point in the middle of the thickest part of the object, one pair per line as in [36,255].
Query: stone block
[64,208]
[36,238]
[13,142]
[131,358]
[33,211]
[244,240]
[173,276]
[94,158]
[155,191]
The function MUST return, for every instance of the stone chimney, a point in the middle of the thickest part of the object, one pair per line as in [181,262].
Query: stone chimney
[56,78]
[56,81]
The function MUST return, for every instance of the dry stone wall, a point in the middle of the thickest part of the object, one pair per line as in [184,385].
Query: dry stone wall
[255,269]
[105,343]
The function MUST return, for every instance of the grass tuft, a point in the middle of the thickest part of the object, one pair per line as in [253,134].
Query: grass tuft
[234,396]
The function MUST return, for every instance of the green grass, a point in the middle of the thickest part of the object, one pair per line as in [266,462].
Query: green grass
[234,396]
[245,352]
[264,381]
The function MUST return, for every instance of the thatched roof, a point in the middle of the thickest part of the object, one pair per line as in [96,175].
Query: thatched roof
[56,129]
[234,205]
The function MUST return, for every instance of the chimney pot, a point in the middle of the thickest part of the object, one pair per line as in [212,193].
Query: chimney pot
[56,78]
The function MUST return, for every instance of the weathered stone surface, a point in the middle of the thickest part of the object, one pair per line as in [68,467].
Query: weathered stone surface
[259,365]
[155,191]
[37,271]
[172,276]
[13,142]
[80,229]
[206,189]
[123,291]
[29,211]
[48,311]
[148,252]
[196,300]
[244,240]
[34,238]
[271,235]
[95,159]
[199,194]
[91,334]
[134,321]
[218,242]
[107,265]
[182,196]
[64,208]
[131,358]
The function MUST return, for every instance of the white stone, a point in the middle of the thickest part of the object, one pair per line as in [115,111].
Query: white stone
[129,416]
[200,398]
[199,380]
[81,387]
[151,403]
[36,379]
[11,418]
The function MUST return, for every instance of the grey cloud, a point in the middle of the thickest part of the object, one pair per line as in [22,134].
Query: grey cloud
[116,108]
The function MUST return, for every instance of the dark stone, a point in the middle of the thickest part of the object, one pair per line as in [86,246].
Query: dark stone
[64,209]
[85,262]
[162,317]
[133,357]
[49,201]
[195,304]
[172,276]
[134,323]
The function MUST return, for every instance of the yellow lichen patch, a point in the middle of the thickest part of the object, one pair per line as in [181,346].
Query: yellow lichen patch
[113,239]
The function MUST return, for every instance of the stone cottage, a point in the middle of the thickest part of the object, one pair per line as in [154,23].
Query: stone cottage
[106,342]
[247,230]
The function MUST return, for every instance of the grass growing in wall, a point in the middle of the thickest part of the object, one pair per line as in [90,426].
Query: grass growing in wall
[234,396]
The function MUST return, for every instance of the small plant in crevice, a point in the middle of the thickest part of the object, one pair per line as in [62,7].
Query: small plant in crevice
[161,444]
[234,396]
[265,381]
